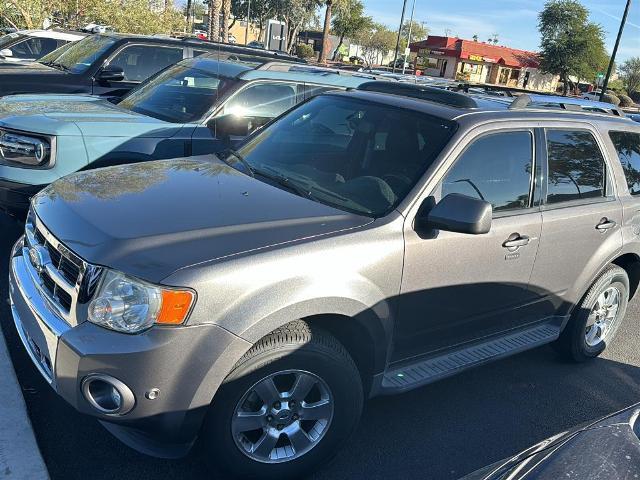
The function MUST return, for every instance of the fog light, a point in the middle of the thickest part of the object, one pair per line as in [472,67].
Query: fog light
[108,395]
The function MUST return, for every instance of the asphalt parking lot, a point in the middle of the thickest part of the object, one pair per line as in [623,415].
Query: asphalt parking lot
[442,431]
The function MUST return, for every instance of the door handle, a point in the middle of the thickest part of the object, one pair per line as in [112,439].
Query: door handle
[516,240]
[605,224]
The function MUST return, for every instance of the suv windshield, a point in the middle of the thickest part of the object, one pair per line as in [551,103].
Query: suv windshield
[179,94]
[52,56]
[354,155]
[80,55]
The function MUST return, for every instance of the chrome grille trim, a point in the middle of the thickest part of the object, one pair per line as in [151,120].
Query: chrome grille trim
[34,232]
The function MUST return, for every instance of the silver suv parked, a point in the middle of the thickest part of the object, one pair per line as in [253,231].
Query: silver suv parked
[362,244]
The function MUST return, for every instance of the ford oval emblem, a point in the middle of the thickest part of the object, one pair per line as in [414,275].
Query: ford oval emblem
[38,256]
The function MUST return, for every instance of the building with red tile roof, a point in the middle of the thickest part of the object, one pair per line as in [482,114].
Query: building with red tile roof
[474,61]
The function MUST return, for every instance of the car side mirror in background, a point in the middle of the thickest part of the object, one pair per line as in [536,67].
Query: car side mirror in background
[111,73]
[227,126]
[5,52]
[459,213]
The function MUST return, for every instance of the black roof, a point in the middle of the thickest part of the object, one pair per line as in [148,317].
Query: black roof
[207,44]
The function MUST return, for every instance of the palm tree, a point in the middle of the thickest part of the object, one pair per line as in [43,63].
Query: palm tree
[324,51]
[226,13]
[214,20]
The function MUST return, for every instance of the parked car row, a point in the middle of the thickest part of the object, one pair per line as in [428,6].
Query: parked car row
[268,244]
[30,45]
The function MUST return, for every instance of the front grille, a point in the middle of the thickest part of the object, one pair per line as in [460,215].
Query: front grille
[65,265]
[61,276]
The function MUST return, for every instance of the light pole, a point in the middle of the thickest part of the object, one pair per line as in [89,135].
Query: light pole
[605,84]
[395,56]
[246,32]
[404,63]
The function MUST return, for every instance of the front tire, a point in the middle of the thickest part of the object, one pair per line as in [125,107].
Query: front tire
[286,408]
[595,321]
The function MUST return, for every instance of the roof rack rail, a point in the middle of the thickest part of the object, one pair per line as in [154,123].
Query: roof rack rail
[288,66]
[422,92]
[574,104]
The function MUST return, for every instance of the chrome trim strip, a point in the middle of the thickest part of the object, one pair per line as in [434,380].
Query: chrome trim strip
[33,225]
[45,317]
[48,375]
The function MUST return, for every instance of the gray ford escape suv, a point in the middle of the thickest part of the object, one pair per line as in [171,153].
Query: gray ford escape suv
[362,244]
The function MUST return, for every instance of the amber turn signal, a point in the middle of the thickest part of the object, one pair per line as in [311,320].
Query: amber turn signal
[175,306]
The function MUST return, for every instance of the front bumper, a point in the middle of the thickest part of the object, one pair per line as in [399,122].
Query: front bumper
[15,197]
[178,361]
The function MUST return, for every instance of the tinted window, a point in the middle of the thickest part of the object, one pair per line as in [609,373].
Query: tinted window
[495,168]
[139,62]
[179,94]
[33,48]
[628,147]
[576,166]
[263,100]
[79,56]
[354,155]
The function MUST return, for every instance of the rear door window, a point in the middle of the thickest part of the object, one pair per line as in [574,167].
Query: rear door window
[628,147]
[495,168]
[139,62]
[576,168]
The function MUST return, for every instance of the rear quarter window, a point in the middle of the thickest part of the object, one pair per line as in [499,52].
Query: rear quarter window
[627,145]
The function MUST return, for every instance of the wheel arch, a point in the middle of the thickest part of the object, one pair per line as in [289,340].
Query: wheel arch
[630,263]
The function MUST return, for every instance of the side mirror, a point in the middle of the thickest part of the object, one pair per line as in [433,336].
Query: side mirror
[226,126]
[111,73]
[6,52]
[461,214]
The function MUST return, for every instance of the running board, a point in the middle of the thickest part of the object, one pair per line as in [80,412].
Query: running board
[412,375]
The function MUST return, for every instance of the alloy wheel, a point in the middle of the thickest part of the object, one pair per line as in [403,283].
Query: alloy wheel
[282,416]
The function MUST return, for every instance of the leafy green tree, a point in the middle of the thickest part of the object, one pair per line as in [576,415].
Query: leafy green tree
[375,41]
[131,16]
[350,22]
[261,11]
[418,31]
[567,39]
[630,74]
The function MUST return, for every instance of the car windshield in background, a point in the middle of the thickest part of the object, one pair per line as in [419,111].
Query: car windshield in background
[179,94]
[80,55]
[10,38]
[356,156]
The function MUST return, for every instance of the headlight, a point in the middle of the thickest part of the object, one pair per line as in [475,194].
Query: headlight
[127,305]
[25,149]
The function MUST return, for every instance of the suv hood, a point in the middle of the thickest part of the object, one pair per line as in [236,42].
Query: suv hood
[78,114]
[150,219]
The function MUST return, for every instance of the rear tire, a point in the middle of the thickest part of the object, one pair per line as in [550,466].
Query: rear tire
[595,320]
[289,441]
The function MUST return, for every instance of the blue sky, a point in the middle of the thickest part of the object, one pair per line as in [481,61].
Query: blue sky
[515,21]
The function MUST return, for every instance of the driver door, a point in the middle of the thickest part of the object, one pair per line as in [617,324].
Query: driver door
[460,287]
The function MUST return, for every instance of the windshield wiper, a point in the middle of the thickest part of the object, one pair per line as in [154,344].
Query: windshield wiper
[57,66]
[285,182]
[230,152]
